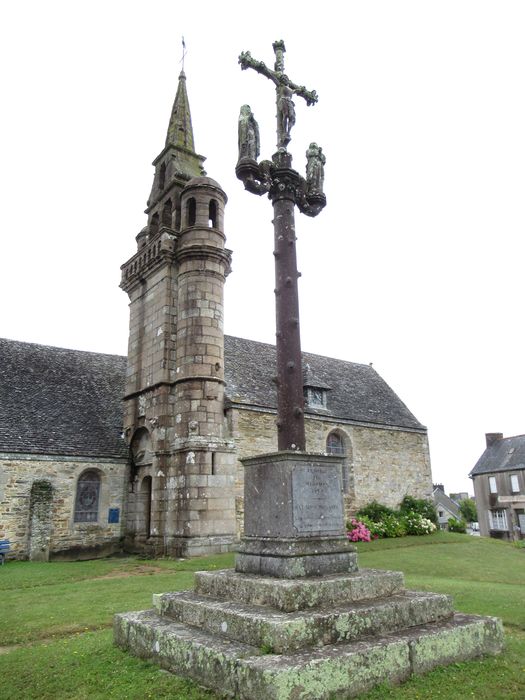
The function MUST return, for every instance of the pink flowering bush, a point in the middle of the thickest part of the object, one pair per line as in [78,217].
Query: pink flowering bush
[357,531]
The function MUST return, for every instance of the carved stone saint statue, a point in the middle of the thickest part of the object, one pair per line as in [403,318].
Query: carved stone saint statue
[285,115]
[315,160]
[249,145]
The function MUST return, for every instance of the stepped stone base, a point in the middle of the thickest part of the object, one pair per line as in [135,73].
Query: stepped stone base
[337,636]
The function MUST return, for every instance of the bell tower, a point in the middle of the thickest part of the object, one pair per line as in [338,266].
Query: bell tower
[181,488]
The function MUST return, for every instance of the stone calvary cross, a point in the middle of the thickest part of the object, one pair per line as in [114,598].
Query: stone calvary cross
[286,188]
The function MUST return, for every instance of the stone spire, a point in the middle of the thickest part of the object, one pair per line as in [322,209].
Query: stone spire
[175,165]
[180,130]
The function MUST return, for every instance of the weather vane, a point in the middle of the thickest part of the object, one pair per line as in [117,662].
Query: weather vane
[286,188]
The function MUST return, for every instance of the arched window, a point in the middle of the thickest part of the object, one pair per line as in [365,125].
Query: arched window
[166,213]
[154,225]
[334,444]
[141,448]
[191,211]
[87,497]
[212,214]
[162,176]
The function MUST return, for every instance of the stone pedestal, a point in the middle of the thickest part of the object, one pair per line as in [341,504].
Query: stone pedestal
[297,619]
[294,517]
[251,637]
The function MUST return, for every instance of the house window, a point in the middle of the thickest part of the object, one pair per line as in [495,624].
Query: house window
[492,484]
[86,501]
[441,513]
[514,483]
[498,519]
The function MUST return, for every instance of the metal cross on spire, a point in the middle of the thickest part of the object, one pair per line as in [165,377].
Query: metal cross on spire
[184,52]
[286,188]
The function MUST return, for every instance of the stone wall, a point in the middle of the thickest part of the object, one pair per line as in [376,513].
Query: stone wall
[24,521]
[382,464]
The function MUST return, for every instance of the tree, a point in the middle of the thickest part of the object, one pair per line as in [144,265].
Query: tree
[467,508]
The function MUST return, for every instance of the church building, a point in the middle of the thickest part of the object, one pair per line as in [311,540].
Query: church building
[102,453]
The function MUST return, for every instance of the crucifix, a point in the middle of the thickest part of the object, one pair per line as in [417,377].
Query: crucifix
[286,189]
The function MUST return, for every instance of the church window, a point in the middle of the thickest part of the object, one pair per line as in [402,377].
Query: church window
[162,176]
[87,497]
[212,217]
[192,211]
[166,213]
[334,444]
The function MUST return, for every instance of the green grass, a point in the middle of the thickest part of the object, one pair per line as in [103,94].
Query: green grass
[59,616]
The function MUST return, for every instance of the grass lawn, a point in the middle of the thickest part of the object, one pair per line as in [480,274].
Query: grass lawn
[57,642]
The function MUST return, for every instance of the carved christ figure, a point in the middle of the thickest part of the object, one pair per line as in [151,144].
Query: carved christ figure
[249,143]
[285,115]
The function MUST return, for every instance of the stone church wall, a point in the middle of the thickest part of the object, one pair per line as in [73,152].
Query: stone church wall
[380,464]
[24,520]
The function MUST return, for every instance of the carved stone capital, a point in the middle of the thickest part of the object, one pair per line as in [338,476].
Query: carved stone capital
[285,185]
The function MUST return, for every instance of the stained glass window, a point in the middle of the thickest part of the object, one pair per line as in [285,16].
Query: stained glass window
[334,444]
[86,502]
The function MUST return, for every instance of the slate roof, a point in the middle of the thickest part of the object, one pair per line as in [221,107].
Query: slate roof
[357,391]
[441,498]
[60,402]
[55,401]
[507,454]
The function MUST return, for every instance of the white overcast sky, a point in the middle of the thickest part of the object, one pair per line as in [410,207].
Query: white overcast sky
[416,264]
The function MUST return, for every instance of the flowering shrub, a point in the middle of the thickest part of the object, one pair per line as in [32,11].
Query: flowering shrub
[394,525]
[357,531]
[416,524]
[423,506]
[455,525]
[377,530]
[412,518]
[375,511]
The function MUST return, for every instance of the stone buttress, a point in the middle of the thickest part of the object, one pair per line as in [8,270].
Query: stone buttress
[181,499]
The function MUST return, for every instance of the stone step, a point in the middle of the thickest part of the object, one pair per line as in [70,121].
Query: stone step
[289,595]
[342,670]
[282,633]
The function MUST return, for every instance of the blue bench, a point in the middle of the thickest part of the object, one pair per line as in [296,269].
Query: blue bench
[4,548]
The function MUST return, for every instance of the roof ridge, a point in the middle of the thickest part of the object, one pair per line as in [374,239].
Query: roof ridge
[60,347]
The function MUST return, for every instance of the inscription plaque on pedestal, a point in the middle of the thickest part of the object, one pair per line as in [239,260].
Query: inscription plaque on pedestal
[317,499]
